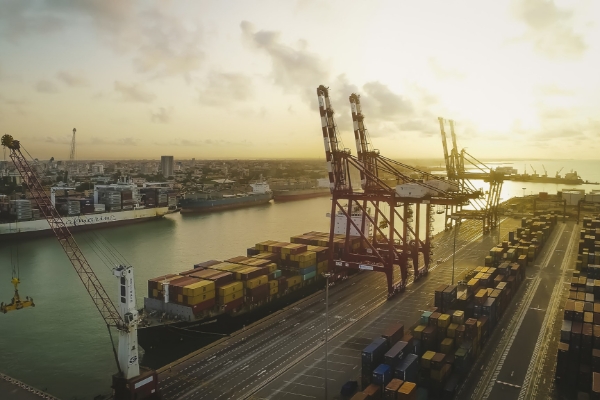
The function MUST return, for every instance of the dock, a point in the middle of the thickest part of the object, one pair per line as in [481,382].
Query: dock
[282,357]
[14,389]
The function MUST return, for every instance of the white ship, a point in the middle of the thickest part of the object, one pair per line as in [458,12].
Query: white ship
[40,227]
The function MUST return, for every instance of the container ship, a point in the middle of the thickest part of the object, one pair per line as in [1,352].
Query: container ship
[111,205]
[301,190]
[222,296]
[431,357]
[209,202]
[300,194]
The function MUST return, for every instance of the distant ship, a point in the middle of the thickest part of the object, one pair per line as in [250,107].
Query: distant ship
[300,190]
[209,202]
[300,193]
[112,205]
[570,178]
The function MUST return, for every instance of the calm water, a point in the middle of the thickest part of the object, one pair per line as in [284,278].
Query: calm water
[62,345]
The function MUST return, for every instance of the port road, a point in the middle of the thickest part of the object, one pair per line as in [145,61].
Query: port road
[281,357]
[511,365]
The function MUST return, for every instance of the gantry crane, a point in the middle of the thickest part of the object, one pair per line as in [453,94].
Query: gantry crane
[462,167]
[128,383]
[393,240]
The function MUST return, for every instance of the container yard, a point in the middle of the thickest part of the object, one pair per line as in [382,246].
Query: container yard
[436,355]
[577,371]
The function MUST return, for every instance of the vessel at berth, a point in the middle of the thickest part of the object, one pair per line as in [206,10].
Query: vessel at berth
[300,194]
[209,202]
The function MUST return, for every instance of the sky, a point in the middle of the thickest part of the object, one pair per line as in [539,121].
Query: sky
[238,79]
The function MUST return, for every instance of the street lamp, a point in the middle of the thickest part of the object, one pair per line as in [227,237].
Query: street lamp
[327,275]
[456,219]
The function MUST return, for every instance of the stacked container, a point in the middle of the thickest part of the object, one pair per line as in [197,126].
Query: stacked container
[21,209]
[440,349]
[578,359]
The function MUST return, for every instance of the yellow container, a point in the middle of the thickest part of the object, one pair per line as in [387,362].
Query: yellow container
[273,284]
[447,346]
[426,359]
[293,281]
[154,293]
[452,330]
[458,317]
[193,300]
[241,271]
[259,280]
[418,331]
[306,256]
[231,297]
[198,288]
[444,320]
[272,267]
[180,298]
[273,290]
[588,317]
[230,288]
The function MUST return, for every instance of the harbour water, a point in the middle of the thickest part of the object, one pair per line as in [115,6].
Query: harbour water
[62,345]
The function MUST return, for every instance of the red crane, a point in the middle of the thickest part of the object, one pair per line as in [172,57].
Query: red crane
[128,383]
[387,238]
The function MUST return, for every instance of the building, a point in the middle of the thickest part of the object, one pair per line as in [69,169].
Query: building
[97,169]
[166,166]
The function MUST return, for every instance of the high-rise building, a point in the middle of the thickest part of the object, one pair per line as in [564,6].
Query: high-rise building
[166,165]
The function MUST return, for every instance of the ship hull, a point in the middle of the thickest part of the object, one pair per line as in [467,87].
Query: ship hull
[208,206]
[292,195]
[41,228]
[165,343]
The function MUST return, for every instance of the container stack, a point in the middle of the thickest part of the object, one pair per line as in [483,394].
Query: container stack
[438,352]
[162,197]
[127,200]
[578,358]
[111,199]
[21,209]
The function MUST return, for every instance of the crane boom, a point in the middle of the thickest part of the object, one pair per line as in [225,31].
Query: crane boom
[89,279]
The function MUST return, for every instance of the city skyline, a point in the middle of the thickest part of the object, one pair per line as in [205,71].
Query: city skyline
[210,81]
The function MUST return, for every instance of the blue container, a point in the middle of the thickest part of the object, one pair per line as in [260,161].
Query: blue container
[382,375]
[276,273]
[308,276]
[373,353]
[425,317]
[395,354]
[408,368]
[307,270]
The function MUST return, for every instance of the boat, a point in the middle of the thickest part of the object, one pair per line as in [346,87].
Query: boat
[83,222]
[300,193]
[117,204]
[217,201]
[219,297]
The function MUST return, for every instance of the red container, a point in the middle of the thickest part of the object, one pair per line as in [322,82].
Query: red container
[205,305]
[207,264]
[258,293]
[221,279]
[205,273]
[190,271]
[232,305]
[393,334]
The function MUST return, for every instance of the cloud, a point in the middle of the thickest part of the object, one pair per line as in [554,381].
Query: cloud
[127,141]
[385,104]
[71,79]
[166,46]
[161,115]
[552,90]
[44,86]
[293,68]
[444,73]
[134,93]
[225,88]
[162,45]
[64,139]
[205,143]
[549,28]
